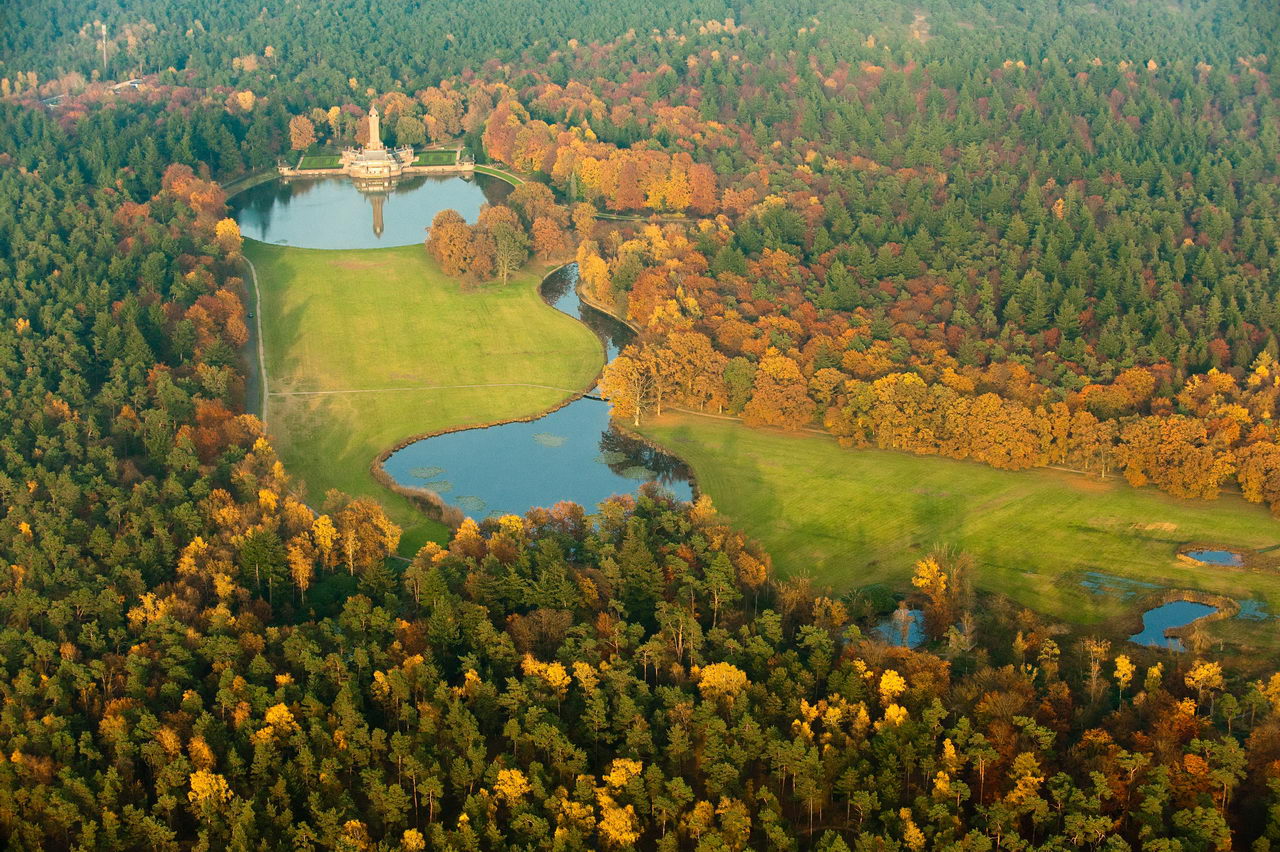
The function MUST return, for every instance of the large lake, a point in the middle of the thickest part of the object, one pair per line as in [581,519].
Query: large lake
[331,213]
[574,453]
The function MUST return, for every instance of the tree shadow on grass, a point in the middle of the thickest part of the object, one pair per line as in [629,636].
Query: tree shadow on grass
[765,501]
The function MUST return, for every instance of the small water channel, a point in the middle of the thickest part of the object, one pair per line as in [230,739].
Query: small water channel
[574,453]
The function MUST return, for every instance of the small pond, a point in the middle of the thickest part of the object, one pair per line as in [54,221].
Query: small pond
[1253,610]
[573,453]
[890,628]
[1173,614]
[332,213]
[1216,557]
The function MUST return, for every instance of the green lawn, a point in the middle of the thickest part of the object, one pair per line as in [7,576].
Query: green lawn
[849,518]
[493,171]
[435,158]
[320,161]
[377,330]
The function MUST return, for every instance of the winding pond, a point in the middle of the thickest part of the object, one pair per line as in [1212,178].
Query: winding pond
[331,213]
[1173,614]
[574,453]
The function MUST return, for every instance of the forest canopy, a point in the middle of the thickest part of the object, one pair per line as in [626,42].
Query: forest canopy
[1025,234]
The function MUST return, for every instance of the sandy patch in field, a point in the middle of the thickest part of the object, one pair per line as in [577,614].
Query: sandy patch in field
[1088,484]
[354,264]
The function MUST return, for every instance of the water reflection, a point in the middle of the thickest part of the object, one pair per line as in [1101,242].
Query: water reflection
[560,291]
[337,213]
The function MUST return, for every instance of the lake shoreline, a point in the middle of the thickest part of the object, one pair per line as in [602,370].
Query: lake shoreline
[435,506]
[661,465]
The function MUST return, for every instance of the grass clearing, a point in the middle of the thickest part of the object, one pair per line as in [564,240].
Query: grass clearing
[359,342]
[499,173]
[849,518]
[320,161]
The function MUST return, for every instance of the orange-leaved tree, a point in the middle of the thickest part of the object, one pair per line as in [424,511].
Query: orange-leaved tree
[302,133]
[779,397]
[449,242]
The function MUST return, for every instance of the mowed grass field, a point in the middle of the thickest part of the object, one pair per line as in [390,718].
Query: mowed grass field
[435,158]
[850,518]
[321,161]
[366,348]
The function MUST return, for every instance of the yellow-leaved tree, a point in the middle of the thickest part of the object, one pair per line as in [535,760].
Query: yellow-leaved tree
[932,581]
[628,384]
[621,771]
[1206,679]
[1124,673]
[227,235]
[302,133]
[892,685]
[511,785]
[722,680]
[618,827]
[208,788]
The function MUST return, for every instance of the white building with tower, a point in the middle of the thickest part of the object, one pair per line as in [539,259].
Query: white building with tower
[376,161]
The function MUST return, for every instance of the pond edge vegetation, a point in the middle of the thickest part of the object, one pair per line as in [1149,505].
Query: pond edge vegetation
[1225,608]
[1250,559]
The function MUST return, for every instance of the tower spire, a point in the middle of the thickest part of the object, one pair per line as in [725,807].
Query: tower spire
[375,130]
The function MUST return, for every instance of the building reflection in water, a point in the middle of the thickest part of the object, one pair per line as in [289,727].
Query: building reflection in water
[376,190]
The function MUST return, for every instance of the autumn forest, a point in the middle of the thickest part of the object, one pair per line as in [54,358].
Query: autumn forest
[1037,237]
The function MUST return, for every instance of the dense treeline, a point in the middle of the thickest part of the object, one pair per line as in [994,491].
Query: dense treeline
[320,46]
[1024,234]
[128,144]
[237,43]
[632,678]
[122,384]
